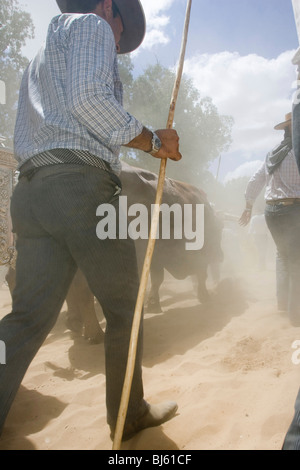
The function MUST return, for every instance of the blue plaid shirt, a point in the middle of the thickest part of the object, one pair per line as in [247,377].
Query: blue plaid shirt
[71,93]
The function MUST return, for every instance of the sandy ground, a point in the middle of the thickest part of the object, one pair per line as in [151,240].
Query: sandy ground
[228,364]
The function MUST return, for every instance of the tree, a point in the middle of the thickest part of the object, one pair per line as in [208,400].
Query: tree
[204,134]
[15,27]
[125,69]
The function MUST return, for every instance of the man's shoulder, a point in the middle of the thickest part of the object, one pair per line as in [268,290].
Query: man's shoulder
[80,21]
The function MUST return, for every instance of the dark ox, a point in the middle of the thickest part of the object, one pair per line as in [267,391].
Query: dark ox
[169,254]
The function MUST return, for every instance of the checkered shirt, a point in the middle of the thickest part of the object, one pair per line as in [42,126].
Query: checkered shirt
[282,184]
[71,94]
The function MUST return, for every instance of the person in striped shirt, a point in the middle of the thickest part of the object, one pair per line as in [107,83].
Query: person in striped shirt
[69,129]
[279,175]
[292,438]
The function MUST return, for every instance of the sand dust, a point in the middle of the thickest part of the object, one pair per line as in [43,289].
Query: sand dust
[228,364]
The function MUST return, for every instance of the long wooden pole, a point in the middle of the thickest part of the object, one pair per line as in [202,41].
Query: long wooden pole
[148,257]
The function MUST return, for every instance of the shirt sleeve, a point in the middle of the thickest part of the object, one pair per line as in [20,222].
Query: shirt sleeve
[296,58]
[90,85]
[256,184]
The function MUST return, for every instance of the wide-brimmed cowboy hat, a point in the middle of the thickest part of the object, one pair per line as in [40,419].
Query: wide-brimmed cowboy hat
[284,124]
[133,19]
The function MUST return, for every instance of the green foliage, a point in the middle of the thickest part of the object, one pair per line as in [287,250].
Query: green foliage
[125,69]
[203,133]
[15,27]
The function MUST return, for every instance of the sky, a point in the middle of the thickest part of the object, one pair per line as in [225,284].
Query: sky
[238,53]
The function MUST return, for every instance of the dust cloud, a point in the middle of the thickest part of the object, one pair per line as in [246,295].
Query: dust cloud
[226,361]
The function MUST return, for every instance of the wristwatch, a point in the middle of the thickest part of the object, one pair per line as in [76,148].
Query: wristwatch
[156,144]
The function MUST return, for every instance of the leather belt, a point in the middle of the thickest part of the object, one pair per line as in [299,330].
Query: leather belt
[61,156]
[283,202]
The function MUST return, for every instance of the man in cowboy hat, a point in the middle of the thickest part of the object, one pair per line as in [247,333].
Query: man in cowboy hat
[292,438]
[69,129]
[279,174]
[296,111]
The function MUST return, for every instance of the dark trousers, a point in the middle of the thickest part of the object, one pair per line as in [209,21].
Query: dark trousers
[54,217]
[284,225]
[292,438]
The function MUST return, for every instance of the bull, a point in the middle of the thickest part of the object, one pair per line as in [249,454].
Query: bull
[139,186]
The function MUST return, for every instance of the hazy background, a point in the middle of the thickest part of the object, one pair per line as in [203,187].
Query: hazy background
[238,61]
[238,53]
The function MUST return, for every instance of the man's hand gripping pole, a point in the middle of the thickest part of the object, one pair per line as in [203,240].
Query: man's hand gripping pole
[150,248]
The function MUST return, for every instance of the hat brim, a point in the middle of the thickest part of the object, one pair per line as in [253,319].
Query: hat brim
[283,125]
[134,25]
[133,19]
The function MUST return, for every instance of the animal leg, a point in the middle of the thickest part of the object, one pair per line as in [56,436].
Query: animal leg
[11,279]
[81,310]
[203,294]
[153,303]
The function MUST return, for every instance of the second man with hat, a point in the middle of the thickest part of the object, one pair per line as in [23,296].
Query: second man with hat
[280,176]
